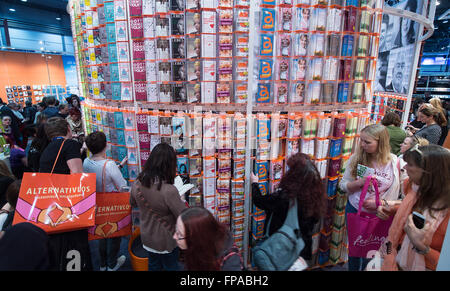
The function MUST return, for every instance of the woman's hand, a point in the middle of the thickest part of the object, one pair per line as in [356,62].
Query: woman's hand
[254,178]
[415,235]
[383,212]
[356,185]
[370,204]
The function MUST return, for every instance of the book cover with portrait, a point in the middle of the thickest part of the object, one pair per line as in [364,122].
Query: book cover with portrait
[194,45]
[177,24]
[178,48]
[179,93]
[165,93]
[193,23]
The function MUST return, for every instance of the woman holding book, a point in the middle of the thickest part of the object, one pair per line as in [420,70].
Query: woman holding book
[372,158]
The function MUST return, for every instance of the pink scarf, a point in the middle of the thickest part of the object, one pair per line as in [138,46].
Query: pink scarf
[396,231]
[407,258]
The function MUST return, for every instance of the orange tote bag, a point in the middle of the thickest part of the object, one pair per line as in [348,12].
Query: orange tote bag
[113,214]
[57,202]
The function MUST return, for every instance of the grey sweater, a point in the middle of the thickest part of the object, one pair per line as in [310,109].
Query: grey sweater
[157,226]
[432,133]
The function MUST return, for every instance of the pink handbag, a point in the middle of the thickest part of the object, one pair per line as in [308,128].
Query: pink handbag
[366,232]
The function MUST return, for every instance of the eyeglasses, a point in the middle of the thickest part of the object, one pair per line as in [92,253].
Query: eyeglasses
[178,235]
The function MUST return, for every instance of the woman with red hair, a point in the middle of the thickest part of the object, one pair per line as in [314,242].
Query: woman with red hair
[302,182]
[207,244]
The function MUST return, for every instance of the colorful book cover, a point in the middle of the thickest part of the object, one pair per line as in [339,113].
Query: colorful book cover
[264,187]
[179,126]
[155,139]
[263,128]
[195,167]
[262,168]
[268,19]
[364,171]
[276,169]
[112,53]
[140,91]
[109,11]
[339,127]
[116,89]
[263,94]
[124,72]
[265,69]
[209,168]
[137,27]
[144,140]
[133,172]
[182,165]
[119,10]
[135,7]
[132,156]
[130,139]
[332,186]
[118,120]
[122,153]
[121,31]
[141,121]
[139,70]
[267,45]
[138,49]
[165,125]
[334,167]
[335,147]
[120,137]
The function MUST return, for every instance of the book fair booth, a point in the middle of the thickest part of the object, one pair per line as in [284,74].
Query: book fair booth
[235,87]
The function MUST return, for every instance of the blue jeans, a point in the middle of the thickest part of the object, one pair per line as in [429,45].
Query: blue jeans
[108,249]
[355,263]
[164,262]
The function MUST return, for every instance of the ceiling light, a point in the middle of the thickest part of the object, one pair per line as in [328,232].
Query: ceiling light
[445,21]
[12,9]
[24,0]
[42,48]
[437,2]
[57,18]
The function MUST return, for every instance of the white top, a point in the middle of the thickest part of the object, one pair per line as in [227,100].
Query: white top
[389,188]
[113,177]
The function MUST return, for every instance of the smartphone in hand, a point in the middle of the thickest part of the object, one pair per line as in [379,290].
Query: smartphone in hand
[418,219]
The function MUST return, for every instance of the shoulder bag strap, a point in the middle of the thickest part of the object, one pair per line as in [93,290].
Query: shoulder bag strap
[292,216]
[104,175]
[57,156]
[154,213]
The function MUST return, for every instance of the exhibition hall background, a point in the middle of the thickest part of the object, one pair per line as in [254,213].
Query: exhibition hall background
[36,47]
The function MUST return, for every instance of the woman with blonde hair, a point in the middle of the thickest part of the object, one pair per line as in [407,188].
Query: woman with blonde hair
[373,152]
[410,246]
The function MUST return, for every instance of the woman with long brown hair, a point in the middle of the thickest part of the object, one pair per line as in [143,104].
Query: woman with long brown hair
[159,206]
[207,244]
[409,246]
[302,182]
